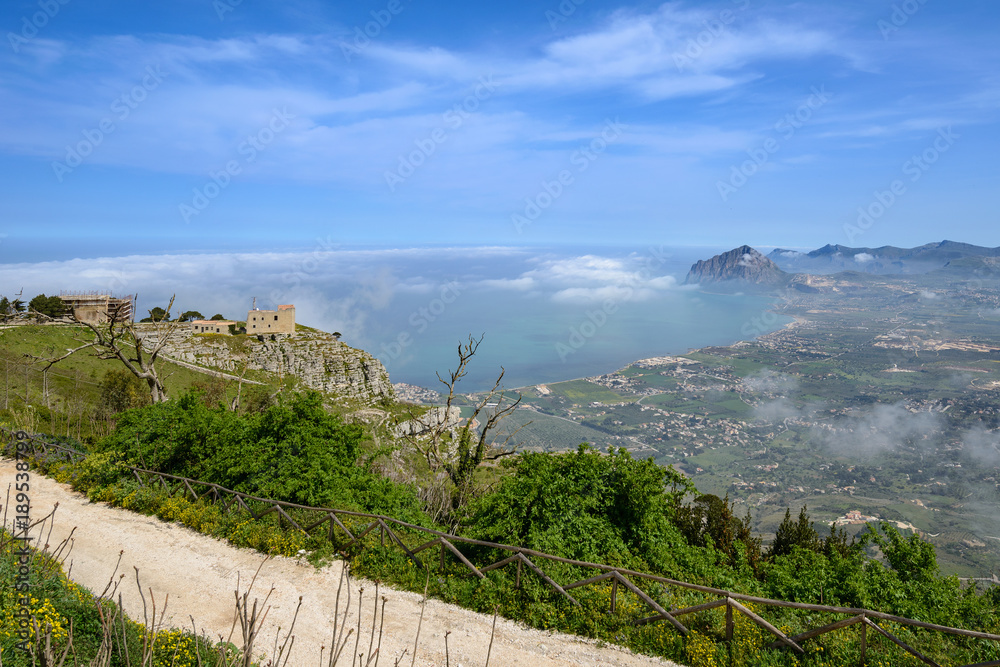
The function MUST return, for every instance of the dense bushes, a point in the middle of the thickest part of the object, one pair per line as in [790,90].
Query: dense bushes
[585,505]
[293,451]
[616,510]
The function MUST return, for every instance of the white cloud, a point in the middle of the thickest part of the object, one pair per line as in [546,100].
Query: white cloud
[776,411]
[592,294]
[586,269]
[522,284]
[218,90]
[863,258]
[649,53]
[882,428]
[982,445]
[771,382]
[433,61]
[589,278]
[331,287]
[663,282]
[324,281]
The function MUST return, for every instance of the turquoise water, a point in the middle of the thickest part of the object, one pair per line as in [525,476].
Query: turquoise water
[537,337]
[535,342]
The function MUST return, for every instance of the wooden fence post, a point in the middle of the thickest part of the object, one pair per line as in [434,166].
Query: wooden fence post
[614,594]
[729,629]
[729,620]
[864,640]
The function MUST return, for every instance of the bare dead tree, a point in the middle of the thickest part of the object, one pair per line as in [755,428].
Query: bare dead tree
[460,452]
[137,349]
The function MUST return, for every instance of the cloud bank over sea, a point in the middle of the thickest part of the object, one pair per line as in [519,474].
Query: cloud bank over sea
[546,314]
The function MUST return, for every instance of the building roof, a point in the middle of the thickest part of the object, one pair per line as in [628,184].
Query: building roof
[212,322]
[287,307]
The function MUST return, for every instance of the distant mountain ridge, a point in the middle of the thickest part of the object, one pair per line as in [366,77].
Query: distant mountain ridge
[743,265]
[832,258]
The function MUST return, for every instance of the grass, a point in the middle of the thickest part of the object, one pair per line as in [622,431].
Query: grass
[82,367]
[66,399]
[549,434]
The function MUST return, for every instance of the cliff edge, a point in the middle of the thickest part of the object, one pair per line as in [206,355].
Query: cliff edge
[316,358]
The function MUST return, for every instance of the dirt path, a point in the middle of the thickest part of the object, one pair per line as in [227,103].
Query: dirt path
[208,371]
[199,574]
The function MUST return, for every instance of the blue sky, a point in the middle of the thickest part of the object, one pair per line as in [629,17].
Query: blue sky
[201,126]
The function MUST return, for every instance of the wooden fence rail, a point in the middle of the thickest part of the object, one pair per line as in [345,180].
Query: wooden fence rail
[389,527]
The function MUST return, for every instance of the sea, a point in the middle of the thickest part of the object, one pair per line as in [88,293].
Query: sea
[543,315]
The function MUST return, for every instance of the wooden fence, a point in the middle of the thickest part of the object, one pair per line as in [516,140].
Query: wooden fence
[388,528]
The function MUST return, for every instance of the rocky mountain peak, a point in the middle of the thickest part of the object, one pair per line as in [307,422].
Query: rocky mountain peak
[743,264]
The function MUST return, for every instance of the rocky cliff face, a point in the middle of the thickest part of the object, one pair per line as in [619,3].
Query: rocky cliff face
[743,264]
[318,359]
[450,419]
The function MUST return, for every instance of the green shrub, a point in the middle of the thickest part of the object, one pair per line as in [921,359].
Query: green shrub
[293,451]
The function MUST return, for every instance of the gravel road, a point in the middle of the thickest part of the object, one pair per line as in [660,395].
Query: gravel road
[199,574]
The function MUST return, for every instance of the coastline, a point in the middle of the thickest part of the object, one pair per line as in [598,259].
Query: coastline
[797,321]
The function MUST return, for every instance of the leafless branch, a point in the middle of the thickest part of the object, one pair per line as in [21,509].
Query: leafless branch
[459,452]
[122,340]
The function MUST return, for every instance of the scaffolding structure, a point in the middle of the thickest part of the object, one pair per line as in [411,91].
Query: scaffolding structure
[99,307]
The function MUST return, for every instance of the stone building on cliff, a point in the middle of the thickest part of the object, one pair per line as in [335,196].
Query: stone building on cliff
[264,322]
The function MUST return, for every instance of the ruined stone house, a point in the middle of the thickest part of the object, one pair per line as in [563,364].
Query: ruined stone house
[99,307]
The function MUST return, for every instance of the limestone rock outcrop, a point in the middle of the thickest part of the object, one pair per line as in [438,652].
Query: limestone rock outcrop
[317,359]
